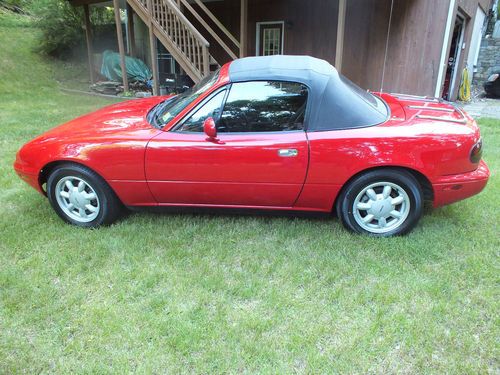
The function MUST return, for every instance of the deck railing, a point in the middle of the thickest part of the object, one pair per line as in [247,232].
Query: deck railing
[180,37]
[186,44]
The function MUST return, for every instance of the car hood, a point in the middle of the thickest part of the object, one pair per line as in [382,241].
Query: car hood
[118,119]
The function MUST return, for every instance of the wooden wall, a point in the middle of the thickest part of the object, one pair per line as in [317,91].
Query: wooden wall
[415,40]
[415,43]
[310,26]
[364,43]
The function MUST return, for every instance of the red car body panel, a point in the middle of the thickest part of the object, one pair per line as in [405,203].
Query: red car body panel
[110,141]
[147,166]
[237,169]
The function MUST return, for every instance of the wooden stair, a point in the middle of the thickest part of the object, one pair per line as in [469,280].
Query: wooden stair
[181,39]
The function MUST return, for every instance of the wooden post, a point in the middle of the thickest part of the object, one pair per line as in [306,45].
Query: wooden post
[206,61]
[339,49]
[243,27]
[88,36]
[131,30]
[154,51]
[121,48]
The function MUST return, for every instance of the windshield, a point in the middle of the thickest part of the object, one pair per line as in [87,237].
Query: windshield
[165,111]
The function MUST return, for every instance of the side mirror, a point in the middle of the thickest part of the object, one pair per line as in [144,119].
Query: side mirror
[209,128]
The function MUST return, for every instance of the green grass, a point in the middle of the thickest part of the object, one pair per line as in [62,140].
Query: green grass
[211,294]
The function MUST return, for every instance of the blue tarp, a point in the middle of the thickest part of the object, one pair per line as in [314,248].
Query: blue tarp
[111,69]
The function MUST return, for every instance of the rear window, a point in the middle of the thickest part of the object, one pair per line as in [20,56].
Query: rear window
[345,106]
[369,98]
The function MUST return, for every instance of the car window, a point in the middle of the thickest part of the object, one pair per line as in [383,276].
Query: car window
[264,106]
[162,113]
[194,123]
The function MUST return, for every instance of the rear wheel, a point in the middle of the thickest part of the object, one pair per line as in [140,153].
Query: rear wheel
[81,197]
[381,203]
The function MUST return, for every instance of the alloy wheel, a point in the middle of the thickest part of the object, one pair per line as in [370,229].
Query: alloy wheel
[381,207]
[77,199]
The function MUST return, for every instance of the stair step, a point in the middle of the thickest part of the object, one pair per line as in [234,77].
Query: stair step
[192,63]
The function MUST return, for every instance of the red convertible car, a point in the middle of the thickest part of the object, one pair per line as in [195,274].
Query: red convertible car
[276,133]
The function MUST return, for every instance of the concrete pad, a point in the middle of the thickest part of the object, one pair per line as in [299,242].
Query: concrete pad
[484,107]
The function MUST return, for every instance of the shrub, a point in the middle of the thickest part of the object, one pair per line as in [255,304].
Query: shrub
[61,25]
[14,5]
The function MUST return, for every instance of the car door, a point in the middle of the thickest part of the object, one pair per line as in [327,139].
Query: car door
[260,156]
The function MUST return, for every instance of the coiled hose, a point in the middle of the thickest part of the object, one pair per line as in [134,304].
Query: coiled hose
[464,91]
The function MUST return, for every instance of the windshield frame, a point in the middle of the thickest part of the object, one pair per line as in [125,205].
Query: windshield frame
[178,103]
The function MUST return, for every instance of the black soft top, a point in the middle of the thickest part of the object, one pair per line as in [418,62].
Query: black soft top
[334,102]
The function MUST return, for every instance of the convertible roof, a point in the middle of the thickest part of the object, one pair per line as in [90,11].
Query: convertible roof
[277,66]
[334,102]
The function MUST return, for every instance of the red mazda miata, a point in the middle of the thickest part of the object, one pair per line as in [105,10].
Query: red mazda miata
[276,133]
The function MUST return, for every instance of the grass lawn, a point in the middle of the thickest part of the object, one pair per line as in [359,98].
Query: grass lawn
[167,293]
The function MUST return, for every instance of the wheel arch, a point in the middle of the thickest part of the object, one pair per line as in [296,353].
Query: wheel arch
[423,181]
[47,169]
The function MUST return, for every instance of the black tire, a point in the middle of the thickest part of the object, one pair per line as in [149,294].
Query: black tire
[350,216]
[109,206]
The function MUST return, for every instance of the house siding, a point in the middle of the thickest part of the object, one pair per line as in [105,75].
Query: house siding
[414,48]
[310,26]
[415,42]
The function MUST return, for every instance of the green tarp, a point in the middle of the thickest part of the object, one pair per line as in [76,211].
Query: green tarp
[111,69]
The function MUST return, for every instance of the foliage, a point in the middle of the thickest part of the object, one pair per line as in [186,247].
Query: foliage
[13,4]
[210,294]
[9,18]
[61,25]
[127,94]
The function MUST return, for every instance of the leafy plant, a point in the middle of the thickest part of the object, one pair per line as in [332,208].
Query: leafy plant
[13,4]
[61,25]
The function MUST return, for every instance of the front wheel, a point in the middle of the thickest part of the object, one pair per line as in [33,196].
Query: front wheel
[81,197]
[381,203]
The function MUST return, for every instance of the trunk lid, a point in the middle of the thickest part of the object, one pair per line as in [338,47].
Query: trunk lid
[430,109]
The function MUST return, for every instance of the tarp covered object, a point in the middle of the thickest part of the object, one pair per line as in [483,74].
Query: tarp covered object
[111,69]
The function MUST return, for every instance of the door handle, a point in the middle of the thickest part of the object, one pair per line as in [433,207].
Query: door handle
[288,152]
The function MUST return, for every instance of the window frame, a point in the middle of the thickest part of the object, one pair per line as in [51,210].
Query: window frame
[209,97]
[258,32]
[152,117]
[228,88]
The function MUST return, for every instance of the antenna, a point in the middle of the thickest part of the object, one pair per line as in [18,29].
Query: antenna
[386,47]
